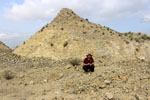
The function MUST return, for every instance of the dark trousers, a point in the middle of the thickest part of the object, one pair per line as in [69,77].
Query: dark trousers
[87,68]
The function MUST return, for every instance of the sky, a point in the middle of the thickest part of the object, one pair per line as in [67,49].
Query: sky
[20,19]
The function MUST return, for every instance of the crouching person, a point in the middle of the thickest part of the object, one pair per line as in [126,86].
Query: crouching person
[88,63]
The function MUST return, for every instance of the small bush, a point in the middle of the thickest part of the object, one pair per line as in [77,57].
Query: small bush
[139,33]
[127,42]
[42,29]
[65,44]
[126,34]
[86,19]
[120,34]
[75,62]
[145,37]
[8,75]
[81,20]
[107,28]
[52,44]
[84,32]
[62,28]
[137,49]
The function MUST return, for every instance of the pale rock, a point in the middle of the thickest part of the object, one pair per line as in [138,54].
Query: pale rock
[107,82]
[31,82]
[109,96]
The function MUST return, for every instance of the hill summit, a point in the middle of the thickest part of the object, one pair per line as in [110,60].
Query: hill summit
[70,36]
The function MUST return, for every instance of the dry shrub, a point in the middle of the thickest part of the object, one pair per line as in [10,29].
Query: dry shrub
[8,74]
[75,61]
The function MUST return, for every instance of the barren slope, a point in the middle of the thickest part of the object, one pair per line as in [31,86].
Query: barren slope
[70,36]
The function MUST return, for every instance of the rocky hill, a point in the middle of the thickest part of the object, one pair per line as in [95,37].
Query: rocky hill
[47,66]
[70,36]
[4,47]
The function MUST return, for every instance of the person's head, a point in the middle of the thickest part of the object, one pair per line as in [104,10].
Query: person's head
[89,56]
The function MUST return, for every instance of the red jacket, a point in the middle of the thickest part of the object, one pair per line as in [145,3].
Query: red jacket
[86,60]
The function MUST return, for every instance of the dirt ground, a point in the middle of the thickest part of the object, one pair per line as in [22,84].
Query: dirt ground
[46,79]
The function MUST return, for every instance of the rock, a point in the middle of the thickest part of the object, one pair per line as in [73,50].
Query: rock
[109,96]
[21,76]
[102,86]
[107,82]
[31,82]
[45,80]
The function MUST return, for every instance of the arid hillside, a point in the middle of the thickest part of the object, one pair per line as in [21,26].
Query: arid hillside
[70,36]
[4,47]
[48,66]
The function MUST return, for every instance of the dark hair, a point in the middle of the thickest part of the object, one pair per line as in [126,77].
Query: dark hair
[89,55]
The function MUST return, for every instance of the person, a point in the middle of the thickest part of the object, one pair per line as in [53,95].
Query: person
[88,63]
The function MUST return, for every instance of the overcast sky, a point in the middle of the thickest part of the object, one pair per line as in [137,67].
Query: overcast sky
[19,19]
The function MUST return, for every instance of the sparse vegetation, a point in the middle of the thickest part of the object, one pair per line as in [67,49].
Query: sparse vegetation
[145,37]
[83,26]
[137,49]
[84,32]
[52,44]
[62,28]
[42,29]
[86,19]
[81,20]
[75,62]
[139,33]
[107,28]
[120,34]
[127,42]
[65,44]
[126,34]
[8,75]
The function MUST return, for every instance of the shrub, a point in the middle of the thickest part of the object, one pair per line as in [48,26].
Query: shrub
[139,33]
[108,28]
[84,32]
[75,62]
[127,42]
[126,34]
[86,19]
[8,75]
[145,37]
[62,28]
[65,44]
[120,34]
[52,44]
[137,49]
[42,29]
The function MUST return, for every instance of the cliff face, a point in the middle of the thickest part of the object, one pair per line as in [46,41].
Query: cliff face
[70,36]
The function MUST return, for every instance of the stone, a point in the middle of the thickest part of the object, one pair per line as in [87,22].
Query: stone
[45,80]
[107,82]
[31,82]
[109,96]
[102,86]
